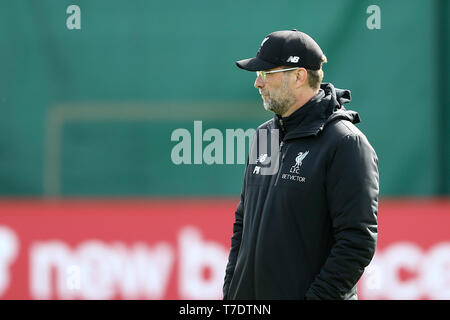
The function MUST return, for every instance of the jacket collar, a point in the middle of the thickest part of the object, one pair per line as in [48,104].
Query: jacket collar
[309,120]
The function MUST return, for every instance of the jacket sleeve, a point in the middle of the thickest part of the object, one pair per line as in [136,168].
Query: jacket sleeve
[235,245]
[352,187]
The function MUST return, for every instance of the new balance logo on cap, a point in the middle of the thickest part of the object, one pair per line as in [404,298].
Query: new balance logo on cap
[293,59]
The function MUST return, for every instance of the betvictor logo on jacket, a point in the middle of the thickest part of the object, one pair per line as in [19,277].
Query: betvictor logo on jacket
[295,169]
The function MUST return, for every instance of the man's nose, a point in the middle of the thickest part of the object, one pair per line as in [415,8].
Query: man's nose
[258,82]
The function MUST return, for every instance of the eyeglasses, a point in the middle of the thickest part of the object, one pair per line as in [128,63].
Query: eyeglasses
[263,74]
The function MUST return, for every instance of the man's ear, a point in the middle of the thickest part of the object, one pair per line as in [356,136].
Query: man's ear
[301,76]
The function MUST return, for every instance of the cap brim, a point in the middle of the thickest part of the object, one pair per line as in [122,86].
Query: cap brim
[255,64]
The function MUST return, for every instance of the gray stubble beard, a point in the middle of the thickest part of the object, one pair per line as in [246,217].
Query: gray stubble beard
[282,101]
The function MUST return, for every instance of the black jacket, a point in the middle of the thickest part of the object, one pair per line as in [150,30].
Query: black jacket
[309,230]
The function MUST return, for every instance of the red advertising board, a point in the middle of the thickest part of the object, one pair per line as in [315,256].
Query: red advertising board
[178,248]
[412,260]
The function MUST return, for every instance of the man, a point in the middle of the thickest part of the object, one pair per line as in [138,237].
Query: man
[308,229]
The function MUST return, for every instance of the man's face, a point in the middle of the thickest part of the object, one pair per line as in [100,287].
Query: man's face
[276,91]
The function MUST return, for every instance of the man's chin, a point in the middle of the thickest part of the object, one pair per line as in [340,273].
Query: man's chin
[270,108]
[267,106]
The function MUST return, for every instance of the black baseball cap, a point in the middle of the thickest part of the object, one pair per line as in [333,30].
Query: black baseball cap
[285,48]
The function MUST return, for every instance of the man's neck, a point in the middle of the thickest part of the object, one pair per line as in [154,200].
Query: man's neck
[301,101]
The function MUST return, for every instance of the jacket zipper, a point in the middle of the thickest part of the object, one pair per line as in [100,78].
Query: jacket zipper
[281,153]
[281,163]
